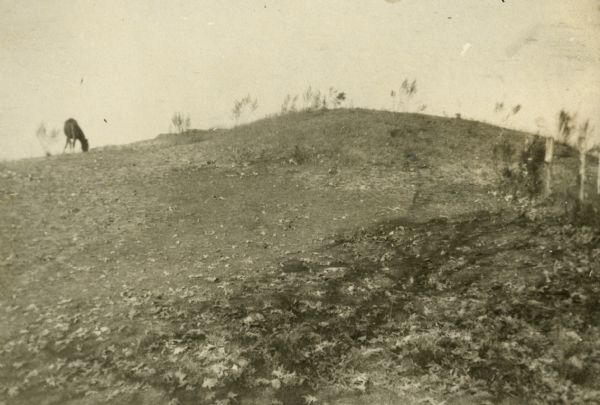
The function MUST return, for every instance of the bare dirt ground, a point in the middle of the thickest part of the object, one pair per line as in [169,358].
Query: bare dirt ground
[223,270]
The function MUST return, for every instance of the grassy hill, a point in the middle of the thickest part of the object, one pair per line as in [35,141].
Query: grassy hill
[345,256]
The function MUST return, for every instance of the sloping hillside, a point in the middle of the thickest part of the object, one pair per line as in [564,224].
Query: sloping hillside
[345,256]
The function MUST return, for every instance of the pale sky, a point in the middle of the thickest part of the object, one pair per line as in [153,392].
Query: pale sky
[136,62]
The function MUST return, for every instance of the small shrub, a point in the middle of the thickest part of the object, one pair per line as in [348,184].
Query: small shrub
[243,105]
[510,112]
[526,174]
[293,107]
[313,100]
[336,98]
[566,125]
[408,89]
[532,164]
[285,106]
[181,123]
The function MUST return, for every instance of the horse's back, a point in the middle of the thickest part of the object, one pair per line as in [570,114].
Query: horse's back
[72,128]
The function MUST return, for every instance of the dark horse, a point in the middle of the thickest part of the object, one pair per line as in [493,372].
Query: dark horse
[74,133]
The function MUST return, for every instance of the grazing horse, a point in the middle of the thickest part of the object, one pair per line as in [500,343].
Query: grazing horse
[73,133]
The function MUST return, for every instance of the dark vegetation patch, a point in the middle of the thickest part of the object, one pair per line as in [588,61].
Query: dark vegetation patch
[525,175]
[481,303]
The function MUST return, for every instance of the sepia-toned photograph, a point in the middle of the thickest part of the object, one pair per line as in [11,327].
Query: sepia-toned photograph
[310,202]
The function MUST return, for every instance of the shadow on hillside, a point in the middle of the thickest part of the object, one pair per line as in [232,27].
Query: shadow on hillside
[401,278]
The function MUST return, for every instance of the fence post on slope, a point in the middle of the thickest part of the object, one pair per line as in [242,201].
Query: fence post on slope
[549,154]
[598,174]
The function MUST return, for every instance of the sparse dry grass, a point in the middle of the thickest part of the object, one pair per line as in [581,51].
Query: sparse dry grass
[340,255]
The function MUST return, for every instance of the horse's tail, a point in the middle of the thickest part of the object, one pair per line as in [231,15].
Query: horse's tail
[85,145]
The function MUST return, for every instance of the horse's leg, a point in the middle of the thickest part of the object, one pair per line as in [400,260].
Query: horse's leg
[66,144]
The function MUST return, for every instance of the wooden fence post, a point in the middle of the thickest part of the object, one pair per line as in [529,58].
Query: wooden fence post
[549,154]
[582,156]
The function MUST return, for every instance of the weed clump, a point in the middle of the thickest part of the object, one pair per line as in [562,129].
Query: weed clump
[532,163]
[180,122]
[522,172]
